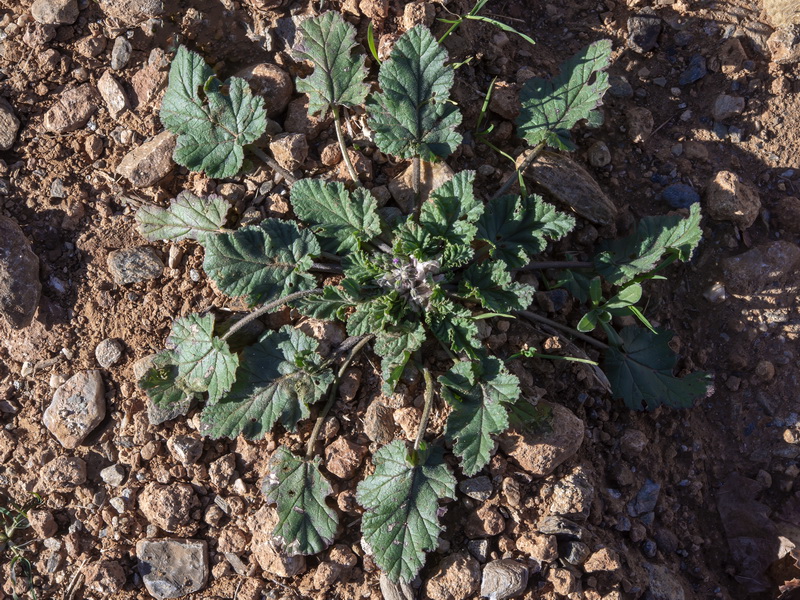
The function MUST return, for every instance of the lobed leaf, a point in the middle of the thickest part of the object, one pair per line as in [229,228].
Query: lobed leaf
[187,217]
[205,362]
[395,347]
[452,210]
[454,326]
[551,108]
[263,261]
[212,126]
[517,228]
[623,259]
[401,499]
[340,218]
[162,385]
[338,78]
[490,283]
[478,393]
[306,524]
[278,378]
[330,304]
[641,372]
[411,116]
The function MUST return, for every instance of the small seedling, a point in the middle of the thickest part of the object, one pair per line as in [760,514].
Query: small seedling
[14,519]
[405,286]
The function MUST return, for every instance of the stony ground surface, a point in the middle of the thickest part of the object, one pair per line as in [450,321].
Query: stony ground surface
[673,505]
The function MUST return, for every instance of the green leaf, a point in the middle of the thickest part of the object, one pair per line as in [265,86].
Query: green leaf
[411,116]
[161,382]
[517,228]
[340,218]
[212,126]
[205,362]
[641,372]
[623,259]
[187,217]
[401,499]
[490,283]
[454,326]
[262,262]
[551,108]
[278,378]
[377,314]
[329,305]
[576,283]
[395,347]
[452,210]
[338,77]
[306,524]
[478,393]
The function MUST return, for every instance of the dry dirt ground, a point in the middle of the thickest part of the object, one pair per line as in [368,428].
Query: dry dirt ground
[728,505]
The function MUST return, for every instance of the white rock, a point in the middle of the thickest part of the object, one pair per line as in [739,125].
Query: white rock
[113,94]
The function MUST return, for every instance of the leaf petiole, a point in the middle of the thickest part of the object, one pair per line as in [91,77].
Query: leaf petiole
[269,307]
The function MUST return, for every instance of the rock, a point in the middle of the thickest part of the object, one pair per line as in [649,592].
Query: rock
[55,12]
[72,110]
[784,45]
[92,45]
[599,155]
[19,276]
[726,106]
[456,578]
[505,100]
[643,30]
[343,458]
[148,83]
[782,12]
[479,488]
[572,495]
[105,577]
[64,474]
[749,273]
[787,212]
[561,528]
[479,549]
[728,199]
[271,83]
[632,443]
[604,560]
[168,506]
[680,195]
[574,552]
[645,500]
[538,546]
[266,549]
[221,470]
[113,94]
[664,585]
[379,423]
[639,122]
[540,453]
[504,579]
[108,352]
[185,448]
[619,87]
[172,568]
[331,154]
[395,591]
[564,581]
[131,265]
[120,53]
[132,12]
[150,162]
[299,121]
[43,522]
[290,150]
[78,406]
[572,185]
[113,475]
[695,71]
[484,522]
[432,175]
[9,125]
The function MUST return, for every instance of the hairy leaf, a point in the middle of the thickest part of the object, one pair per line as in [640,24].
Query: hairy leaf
[329,305]
[478,393]
[375,315]
[340,218]
[641,372]
[212,126]
[338,77]
[205,362]
[411,116]
[306,524]
[454,326]
[490,283]
[187,217]
[452,210]
[395,347]
[278,378]
[517,228]
[162,385]
[262,262]
[621,260]
[551,108]
[401,499]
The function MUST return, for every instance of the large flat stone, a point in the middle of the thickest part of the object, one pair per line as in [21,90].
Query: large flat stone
[19,276]
[78,406]
[172,568]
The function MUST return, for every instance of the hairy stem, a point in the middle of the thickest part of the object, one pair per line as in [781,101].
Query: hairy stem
[312,441]
[582,336]
[273,164]
[537,150]
[415,184]
[326,268]
[269,307]
[337,125]
[426,411]
[557,264]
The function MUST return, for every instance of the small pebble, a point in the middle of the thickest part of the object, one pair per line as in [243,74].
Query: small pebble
[120,53]
[680,195]
[108,352]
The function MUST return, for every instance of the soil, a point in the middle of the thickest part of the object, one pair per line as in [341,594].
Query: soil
[727,469]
